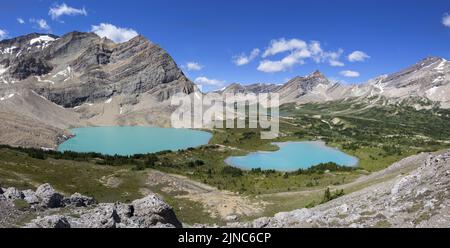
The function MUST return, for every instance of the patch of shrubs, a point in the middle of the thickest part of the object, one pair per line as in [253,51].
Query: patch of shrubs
[232,171]
[196,163]
[323,167]
[261,171]
[329,196]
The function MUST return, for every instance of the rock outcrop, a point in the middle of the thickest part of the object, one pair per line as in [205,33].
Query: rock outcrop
[46,197]
[53,221]
[49,198]
[79,200]
[147,212]
[78,211]
[13,194]
[30,197]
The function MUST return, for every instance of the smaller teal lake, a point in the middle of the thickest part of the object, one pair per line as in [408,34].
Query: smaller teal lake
[133,140]
[293,156]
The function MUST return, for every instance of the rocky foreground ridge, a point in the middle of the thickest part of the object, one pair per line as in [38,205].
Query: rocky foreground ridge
[420,198]
[54,210]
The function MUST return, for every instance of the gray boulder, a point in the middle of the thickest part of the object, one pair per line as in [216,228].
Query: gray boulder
[151,210]
[78,200]
[30,197]
[49,197]
[231,218]
[13,194]
[103,216]
[148,212]
[53,221]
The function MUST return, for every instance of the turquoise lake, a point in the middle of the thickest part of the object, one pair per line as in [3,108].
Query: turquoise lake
[293,156]
[133,140]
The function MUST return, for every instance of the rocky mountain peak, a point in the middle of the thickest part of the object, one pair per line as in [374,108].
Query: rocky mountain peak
[432,59]
[424,73]
[317,74]
[311,80]
[82,67]
[140,39]
[79,35]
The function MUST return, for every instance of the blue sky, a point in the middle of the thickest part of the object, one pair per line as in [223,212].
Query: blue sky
[272,40]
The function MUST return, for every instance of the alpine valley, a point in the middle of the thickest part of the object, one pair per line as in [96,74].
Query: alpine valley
[397,125]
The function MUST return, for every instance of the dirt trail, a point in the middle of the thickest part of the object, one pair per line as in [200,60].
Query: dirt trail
[218,203]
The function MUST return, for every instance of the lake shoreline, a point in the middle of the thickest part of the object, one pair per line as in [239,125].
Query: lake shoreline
[134,140]
[280,145]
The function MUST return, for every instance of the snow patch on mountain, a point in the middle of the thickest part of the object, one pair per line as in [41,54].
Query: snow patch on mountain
[7,97]
[66,73]
[3,69]
[42,39]
[438,79]
[34,92]
[441,65]
[44,80]
[8,50]
[432,91]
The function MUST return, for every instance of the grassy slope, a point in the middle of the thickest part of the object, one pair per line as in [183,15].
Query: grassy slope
[17,169]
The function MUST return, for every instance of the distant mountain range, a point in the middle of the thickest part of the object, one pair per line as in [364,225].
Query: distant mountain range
[49,84]
[426,83]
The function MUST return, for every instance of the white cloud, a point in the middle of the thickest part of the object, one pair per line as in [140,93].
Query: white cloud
[299,52]
[321,56]
[64,9]
[358,56]
[336,63]
[283,45]
[41,24]
[315,47]
[194,66]
[351,74]
[3,34]
[204,81]
[114,33]
[243,59]
[20,20]
[446,20]
[287,62]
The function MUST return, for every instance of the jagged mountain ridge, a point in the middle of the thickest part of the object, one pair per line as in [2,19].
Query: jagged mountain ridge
[252,88]
[427,80]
